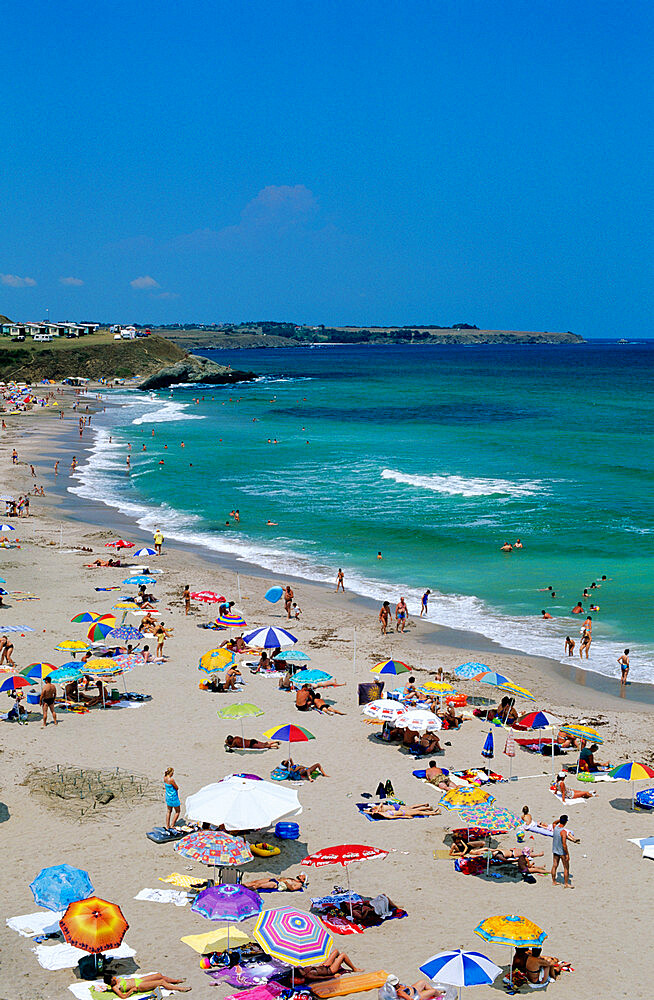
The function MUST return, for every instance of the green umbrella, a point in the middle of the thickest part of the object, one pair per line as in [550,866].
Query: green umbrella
[242,711]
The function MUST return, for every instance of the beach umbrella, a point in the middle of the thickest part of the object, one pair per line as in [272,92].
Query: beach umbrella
[293,936]
[102,665]
[243,711]
[311,677]
[296,656]
[231,620]
[127,661]
[439,687]
[214,848]
[419,721]
[582,733]
[59,886]
[68,672]
[141,553]
[227,902]
[393,667]
[509,751]
[242,804]
[216,940]
[14,682]
[469,670]
[540,721]
[125,634]
[119,543]
[140,579]
[207,597]
[488,749]
[461,968]
[94,925]
[72,646]
[99,630]
[270,638]
[632,772]
[125,606]
[289,734]
[383,710]
[511,930]
[496,819]
[491,677]
[216,659]
[38,671]
[518,691]
[466,796]
[344,855]
[85,616]
[7,527]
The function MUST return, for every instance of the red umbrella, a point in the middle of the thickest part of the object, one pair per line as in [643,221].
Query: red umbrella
[12,683]
[208,597]
[345,855]
[119,543]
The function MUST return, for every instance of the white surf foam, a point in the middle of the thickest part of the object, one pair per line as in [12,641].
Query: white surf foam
[465,486]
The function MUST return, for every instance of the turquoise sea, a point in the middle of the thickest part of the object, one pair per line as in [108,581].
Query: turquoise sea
[432,455]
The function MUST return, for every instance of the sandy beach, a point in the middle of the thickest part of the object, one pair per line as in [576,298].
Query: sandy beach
[600,928]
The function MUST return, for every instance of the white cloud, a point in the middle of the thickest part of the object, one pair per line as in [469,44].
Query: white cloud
[145,282]
[72,282]
[14,281]
[167,295]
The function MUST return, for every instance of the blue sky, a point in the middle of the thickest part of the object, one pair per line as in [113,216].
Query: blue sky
[338,162]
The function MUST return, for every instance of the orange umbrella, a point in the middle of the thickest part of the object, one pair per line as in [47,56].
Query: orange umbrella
[94,925]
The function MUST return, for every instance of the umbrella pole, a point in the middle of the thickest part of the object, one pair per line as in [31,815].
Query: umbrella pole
[242,734]
[349,888]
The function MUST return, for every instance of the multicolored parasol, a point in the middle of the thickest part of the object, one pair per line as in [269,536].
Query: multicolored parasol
[293,936]
[466,796]
[94,925]
[393,667]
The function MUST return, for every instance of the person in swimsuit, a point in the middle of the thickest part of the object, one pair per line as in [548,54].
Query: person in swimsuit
[506,547]
[171,789]
[424,603]
[466,848]
[239,743]
[321,705]
[304,699]
[288,600]
[288,884]
[578,609]
[300,771]
[388,811]
[401,614]
[47,700]
[420,990]
[384,617]
[564,792]
[6,649]
[569,645]
[541,968]
[622,660]
[340,581]
[332,967]
[435,776]
[124,986]
[546,614]
[187,598]
[584,643]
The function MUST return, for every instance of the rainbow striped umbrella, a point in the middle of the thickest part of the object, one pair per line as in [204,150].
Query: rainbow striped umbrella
[14,682]
[393,667]
[233,620]
[289,734]
[293,936]
[466,796]
[38,671]
[633,771]
[495,819]
[85,616]
[214,848]
[100,630]
[491,677]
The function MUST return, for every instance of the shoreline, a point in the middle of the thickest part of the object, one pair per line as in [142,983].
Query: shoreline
[606,692]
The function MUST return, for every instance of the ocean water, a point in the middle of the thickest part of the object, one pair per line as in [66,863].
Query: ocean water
[432,455]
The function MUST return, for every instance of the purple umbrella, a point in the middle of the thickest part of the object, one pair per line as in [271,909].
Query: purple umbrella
[227,902]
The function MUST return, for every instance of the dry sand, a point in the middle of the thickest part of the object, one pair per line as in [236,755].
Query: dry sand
[602,928]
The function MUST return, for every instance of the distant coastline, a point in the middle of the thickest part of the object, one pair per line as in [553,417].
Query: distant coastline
[250,336]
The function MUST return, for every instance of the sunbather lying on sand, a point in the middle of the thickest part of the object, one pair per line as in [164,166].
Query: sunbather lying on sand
[239,743]
[462,848]
[564,793]
[300,771]
[420,990]
[103,562]
[389,811]
[435,776]
[288,884]
[332,967]
[124,986]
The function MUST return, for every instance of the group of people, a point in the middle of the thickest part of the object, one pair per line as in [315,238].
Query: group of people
[401,616]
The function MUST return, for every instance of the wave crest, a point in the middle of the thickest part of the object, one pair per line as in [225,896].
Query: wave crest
[466,487]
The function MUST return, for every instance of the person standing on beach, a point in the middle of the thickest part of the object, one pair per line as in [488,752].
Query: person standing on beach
[560,852]
[187,598]
[401,614]
[158,541]
[47,701]
[384,617]
[288,600]
[340,581]
[569,645]
[584,645]
[14,457]
[171,790]
[624,667]
[424,602]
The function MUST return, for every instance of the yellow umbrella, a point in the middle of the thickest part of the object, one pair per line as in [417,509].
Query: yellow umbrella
[73,645]
[102,665]
[216,659]
[441,686]
[518,691]
[466,796]
[216,940]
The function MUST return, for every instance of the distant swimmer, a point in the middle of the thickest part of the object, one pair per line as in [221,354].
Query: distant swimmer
[553,594]
[578,610]
[379,555]
[424,603]
[182,445]
[543,590]
[624,667]
[594,607]
[569,645]
[144,448]
[507,547]
[272,522]
[546,614]
[517,544]
[593,585]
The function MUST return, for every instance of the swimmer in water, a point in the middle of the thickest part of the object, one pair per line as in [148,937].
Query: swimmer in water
[507,547]
[569,645]
[517,544]
[543,590]
[272,522]
[578,610]
[545,614]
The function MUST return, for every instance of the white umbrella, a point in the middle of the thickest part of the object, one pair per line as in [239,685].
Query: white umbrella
[242,804]
[419,720]
[383,710]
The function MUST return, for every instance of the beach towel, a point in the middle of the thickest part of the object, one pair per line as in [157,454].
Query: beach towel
[442,854]
[64,956]
[568,802]
[97,990]
[355,982]
[341,925]
[645,798]
[268,992]
[34,924]
[163,896]
[184,881]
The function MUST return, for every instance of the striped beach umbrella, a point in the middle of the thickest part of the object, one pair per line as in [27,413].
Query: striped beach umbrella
[469,670]
[633,771]
[582,733]
[289,734]
[517,691]
[100,630]
[94,925]
[85,616]
[142,553]
[14,682]
[231,620]
[461,968]
[466,796]
[270,638]
[227,902]
[125,606]
[293,936]
[38,671]
[492,677]
[393,667]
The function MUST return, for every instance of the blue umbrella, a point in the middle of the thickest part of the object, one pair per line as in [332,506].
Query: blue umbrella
[461,968]
[469,670]
[488,749]
[140,579]
[297,656]
[7,527]
[69,672]
[144,552]
[3,592]
[270,638]
[2,579]
[57,887]
[126,633]
[273,595]
[311,676]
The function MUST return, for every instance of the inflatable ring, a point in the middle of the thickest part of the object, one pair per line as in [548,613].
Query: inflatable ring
[263,850]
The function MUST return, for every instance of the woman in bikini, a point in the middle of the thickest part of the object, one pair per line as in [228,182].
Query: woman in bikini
[300,771]
[389,811]
[124,986]
[289,884]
